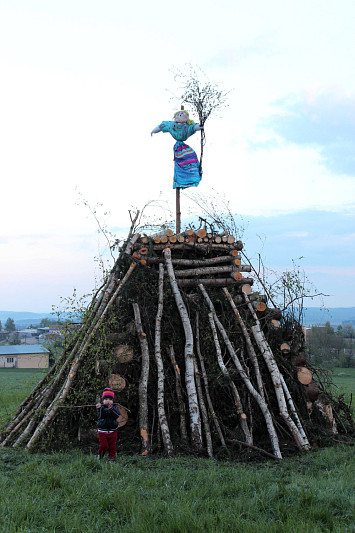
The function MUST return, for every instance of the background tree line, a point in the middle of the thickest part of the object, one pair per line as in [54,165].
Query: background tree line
[331,347]
[9,325]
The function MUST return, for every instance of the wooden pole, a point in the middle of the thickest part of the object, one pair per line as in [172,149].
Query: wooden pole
[178,212]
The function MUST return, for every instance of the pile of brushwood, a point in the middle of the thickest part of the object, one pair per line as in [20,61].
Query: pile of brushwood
[200,363]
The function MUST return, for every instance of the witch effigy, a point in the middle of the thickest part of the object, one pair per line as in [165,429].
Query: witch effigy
[187,170]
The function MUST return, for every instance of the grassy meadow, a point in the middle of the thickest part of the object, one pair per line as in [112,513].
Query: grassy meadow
[15,385]
[72,492]
[344,383]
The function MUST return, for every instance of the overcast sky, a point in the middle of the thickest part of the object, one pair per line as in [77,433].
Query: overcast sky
[84,82]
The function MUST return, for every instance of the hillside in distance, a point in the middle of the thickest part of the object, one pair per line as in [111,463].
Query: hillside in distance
[313,316]
[318,316]
[24,319]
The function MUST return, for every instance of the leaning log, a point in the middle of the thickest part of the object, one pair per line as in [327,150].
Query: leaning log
[299,436]
[178,388]
[143,382]
[249,344]
[195,420]
[205,380]
[236,396]
[160,367]
[203,410]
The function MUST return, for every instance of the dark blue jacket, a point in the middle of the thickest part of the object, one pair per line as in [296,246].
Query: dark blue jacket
[107,418]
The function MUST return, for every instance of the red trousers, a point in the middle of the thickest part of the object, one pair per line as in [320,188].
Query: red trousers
[107,442]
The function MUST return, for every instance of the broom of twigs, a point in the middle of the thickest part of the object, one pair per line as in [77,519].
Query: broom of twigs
[201,95]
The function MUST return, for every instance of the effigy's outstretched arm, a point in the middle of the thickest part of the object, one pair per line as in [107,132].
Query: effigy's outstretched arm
[155,130]
[198,127]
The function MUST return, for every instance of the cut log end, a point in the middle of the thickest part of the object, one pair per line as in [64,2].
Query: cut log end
[285,348]
[304,375]
[246,289]
[300,359]
[124,354]
[201,233]
[312,391]
[123,418]
[117,382]
[261,306]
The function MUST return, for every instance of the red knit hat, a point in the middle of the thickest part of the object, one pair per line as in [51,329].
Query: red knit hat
[108,393]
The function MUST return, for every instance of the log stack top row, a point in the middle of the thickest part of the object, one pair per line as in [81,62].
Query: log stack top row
[198,257]
[200,236]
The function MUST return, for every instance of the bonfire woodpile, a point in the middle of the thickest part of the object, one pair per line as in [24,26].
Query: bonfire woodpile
[199,362]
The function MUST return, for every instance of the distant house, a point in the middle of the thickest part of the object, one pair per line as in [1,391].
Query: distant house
[22,356]
[28,336]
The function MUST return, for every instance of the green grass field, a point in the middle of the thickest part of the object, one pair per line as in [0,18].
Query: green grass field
[344,381]
[72,492]
[15,384]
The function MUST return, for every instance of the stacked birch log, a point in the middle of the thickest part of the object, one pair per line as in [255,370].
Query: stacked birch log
[199,362]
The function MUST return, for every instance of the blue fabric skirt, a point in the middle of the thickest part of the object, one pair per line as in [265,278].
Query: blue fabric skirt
[186,166]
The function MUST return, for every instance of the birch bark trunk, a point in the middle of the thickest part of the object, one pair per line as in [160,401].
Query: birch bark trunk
[299,436]
[195,420]
[204,271]
[250,347]
[293,408]
[160,393]
[266,352]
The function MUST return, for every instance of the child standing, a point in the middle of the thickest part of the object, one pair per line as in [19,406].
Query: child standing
[107,425]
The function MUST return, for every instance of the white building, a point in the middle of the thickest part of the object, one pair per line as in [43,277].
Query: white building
[22,356]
